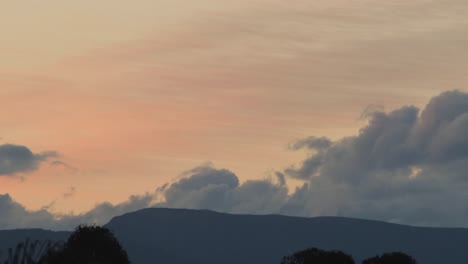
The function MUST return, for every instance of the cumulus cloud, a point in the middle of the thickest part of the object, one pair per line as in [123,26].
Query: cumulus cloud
[103,212]
[406,166]
[203,187]
[403,166]
[219,190]
[16,159]
[396,140]
[14,215]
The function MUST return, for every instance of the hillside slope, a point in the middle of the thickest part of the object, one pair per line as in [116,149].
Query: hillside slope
[180,236]
[191,236]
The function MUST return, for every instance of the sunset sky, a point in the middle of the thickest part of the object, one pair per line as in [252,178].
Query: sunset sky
[117,98]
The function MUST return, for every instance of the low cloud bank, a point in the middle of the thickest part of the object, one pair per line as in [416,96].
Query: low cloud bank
[406,166]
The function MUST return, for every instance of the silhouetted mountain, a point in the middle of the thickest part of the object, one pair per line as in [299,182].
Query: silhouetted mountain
[179,236]
[159,235]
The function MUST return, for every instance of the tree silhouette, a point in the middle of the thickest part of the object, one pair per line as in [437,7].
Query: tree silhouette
[88,245]
[391,258]
[318,256]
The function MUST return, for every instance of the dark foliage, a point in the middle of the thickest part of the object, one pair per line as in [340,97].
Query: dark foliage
[318,256]
[391,258]
[88,245]
[29,252]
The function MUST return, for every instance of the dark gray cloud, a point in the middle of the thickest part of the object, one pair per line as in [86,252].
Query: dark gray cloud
[201,188]
[316,143]
[402,166]
[14,215]
[16,159]
[406,166]
[104,212]
[311,165]
[220,190]
[396,140]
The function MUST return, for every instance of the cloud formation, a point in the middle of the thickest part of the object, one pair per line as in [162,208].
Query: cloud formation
[16,159]
[203,187]
[219,190]
[406,166]
[14,215]
[402,167]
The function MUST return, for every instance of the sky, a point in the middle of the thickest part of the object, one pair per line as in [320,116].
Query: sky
[349,108]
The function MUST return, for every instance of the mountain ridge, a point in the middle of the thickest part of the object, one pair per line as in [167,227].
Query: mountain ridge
[273,236]
[287,216]
[184,236]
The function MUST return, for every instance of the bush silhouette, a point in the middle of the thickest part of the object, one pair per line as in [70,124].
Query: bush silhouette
[391,258]
[29,252]
[318,256]
[88,245]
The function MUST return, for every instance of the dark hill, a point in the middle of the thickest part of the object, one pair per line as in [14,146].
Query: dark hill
[190,236]
[179,236]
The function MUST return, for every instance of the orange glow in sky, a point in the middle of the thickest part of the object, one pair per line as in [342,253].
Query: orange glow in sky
[135,93]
